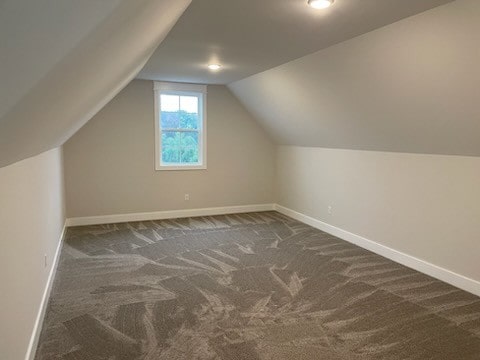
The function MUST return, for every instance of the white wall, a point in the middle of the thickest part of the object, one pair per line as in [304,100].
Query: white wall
[427,206]
[32,218]
[109,163]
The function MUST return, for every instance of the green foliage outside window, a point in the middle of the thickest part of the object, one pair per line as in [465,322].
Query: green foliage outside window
[179,147]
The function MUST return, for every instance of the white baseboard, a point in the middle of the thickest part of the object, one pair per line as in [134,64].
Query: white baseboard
[450,277]
[160,215]
[37,328]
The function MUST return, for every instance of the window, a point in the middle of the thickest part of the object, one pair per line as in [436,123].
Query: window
[180,126]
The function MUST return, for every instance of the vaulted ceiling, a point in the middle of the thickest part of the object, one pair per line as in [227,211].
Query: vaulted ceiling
[409,86]
[251,36]
[62,61]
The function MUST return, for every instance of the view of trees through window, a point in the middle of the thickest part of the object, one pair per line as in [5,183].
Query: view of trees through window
[180,125]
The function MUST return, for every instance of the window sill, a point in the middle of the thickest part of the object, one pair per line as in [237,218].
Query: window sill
[180,167]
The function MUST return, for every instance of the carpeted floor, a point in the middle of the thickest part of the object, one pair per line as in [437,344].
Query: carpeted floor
[251,286]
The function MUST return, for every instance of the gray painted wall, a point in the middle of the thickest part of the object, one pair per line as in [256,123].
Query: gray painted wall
[408,87]
[32,217]
[109,163]
[426,206]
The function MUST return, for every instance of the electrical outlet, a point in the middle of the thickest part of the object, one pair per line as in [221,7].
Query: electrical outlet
[187,197]
[330,209]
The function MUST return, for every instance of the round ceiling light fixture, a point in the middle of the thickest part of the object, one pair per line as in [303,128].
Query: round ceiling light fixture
[214,67]
[320,4]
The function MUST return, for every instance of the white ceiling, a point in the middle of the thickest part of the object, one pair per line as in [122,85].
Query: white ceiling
[251,36]
[36,35]
[61,61]
[409,87]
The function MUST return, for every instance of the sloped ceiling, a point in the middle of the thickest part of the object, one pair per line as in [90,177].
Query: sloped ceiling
[35,35]
[250,36]
[62,61]
[412,86]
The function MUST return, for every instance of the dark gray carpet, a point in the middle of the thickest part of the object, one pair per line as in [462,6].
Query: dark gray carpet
[251,286]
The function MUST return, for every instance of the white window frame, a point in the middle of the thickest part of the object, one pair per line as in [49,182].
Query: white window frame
[200,91]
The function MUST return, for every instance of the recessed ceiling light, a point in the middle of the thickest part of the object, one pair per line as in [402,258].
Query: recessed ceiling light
[214,67]
[320,4]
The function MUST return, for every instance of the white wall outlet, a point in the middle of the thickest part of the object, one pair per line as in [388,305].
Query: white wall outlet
[45,261]
[187,197]
[330,210]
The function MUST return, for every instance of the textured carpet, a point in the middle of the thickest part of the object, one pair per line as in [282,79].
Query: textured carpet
[250,286]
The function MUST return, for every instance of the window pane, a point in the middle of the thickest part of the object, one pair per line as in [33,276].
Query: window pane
[171,147]
[189,112]
[180,147]
[179,112]
[170,103]
[170,120]
[188,120]
[189,104]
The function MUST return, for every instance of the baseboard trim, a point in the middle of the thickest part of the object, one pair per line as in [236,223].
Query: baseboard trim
[37,328]
[450,277]
[160,215]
